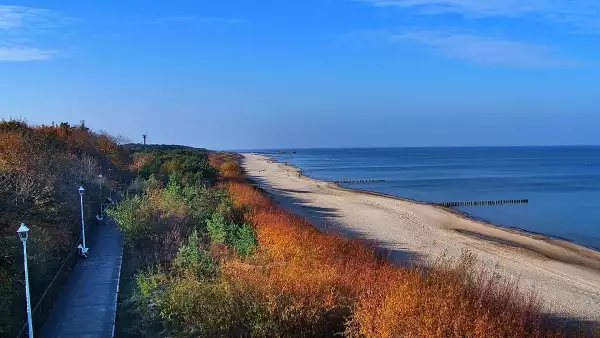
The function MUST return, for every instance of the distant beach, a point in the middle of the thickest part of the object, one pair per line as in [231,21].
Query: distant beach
[566,275]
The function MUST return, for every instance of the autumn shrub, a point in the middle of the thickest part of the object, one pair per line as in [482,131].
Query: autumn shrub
[134,218]
[190,165]
[189,306]
[216,159]
[179,231]
[154,223]
[230,169]
[253,269]
[196,307]
[324,284]
[141,160]
[188,296]
[41,169]
[451,300]
[203,201]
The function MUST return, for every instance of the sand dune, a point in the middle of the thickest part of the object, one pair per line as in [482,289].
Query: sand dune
[566,276]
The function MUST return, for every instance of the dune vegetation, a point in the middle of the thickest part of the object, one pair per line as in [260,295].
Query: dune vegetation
[209,254]
[41,169]
[219,258]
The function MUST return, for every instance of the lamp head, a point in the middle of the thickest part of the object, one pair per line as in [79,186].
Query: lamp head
[81,190]
[23,232]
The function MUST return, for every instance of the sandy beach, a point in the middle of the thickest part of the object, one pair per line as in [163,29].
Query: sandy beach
[565,276]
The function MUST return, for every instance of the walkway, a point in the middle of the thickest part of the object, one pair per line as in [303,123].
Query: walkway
[86,307]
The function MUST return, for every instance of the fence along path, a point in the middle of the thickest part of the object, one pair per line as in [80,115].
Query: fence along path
[87,305]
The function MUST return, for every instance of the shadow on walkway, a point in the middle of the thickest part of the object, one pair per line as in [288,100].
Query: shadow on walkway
[86,307]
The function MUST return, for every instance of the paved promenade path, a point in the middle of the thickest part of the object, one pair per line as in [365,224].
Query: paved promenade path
[86,308]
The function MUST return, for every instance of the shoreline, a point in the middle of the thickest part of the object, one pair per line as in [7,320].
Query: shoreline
[563,243]
[566,274]
[553,240]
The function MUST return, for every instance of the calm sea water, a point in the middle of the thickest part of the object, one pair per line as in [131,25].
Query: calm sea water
[561,183]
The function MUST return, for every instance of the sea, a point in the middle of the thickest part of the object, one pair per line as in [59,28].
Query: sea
[562,184]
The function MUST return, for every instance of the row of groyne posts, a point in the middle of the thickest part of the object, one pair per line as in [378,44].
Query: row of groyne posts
[356,181]
[478,203]
[447,204]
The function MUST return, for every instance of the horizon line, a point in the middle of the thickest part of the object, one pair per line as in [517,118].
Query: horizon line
[417,147]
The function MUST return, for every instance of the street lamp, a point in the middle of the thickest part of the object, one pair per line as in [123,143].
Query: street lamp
[101,217]
[23,234]
[82,248]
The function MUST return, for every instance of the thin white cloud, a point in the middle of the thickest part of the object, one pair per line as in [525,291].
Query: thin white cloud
[19,27]
[19,17]
[580,15]
[21,54]
[481,49]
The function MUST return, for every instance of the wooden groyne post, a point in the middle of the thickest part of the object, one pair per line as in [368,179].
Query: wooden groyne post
[357,181]
[480,203]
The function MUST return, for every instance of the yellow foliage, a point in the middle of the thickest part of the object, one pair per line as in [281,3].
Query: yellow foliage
[230,169]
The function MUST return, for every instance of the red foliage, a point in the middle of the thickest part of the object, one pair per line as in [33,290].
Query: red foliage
[318,283]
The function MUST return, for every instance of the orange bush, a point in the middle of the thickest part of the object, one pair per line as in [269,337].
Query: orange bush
[141,160]
[230,169]
[318,284]
[217,159]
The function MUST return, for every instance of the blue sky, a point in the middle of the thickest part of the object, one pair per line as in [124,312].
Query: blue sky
[314,73]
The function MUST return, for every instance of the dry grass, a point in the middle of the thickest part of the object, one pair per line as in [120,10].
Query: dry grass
[315,283]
